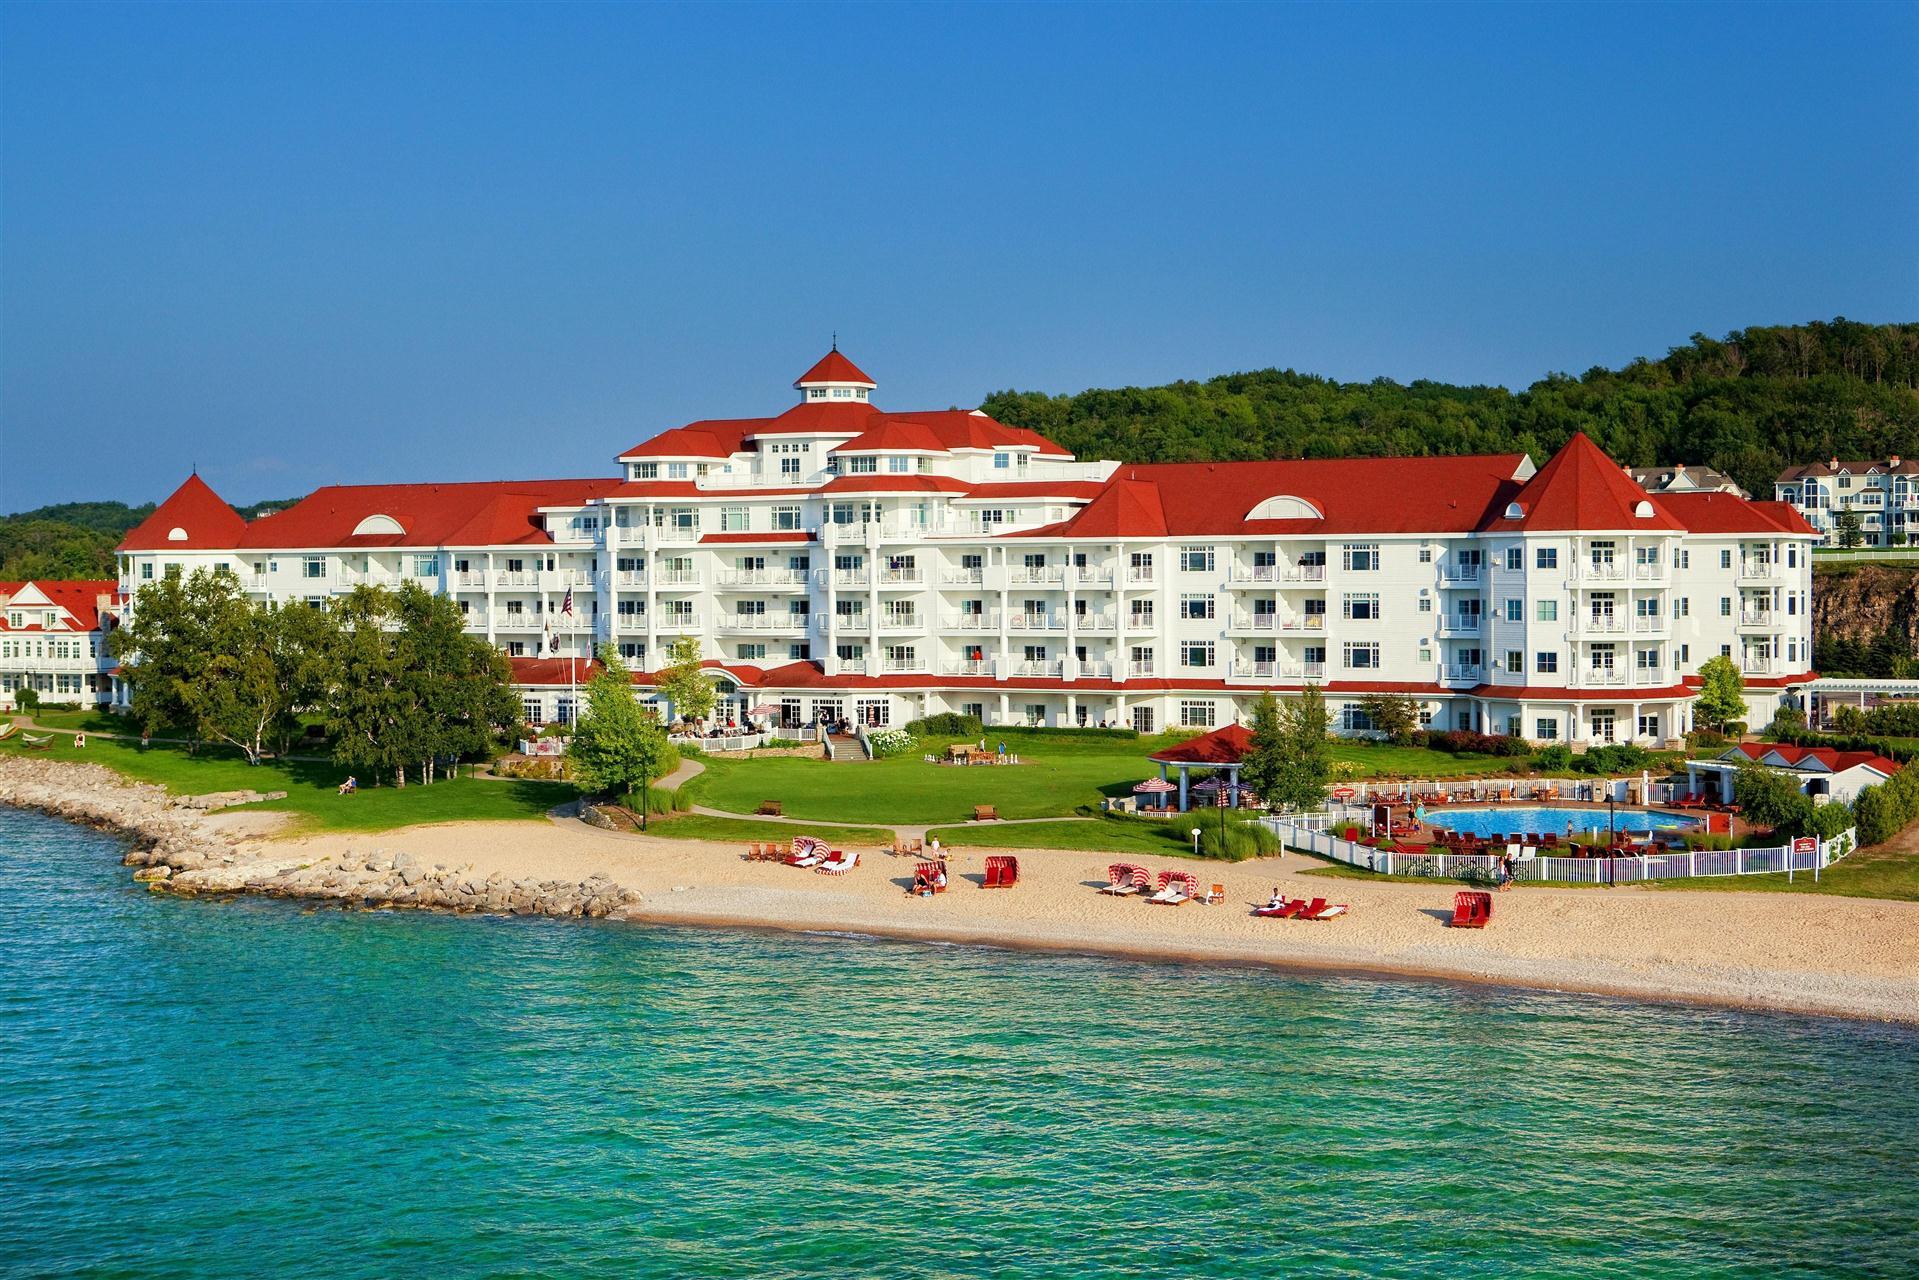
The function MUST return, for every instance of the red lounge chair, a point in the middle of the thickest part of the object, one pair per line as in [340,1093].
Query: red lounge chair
[1319,909]
[1472,909]
[839,864]
[1002,872]
[1311,909]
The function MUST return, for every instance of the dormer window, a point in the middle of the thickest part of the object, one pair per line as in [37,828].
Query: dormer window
[816,393]
[646,471]
[862,464]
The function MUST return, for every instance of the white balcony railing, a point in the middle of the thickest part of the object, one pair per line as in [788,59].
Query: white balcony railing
[1036,622]
[761,578]
[902,622]
[1021,575]
[971,621]
[1459,624]
[1462,673]
[677,578]
[1600,624]
[629,579]
[1137,669]
[1095,670]
[902,577]
[969,667]
[1459,575]
[962,577]
[1038,669]
[763,621]
[1140,575]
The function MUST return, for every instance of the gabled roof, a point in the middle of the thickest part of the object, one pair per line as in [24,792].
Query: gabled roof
[1729,513]
[834,367]
[1222,746]
[889,433]
[203,520]
[1812,759]
[80,600]
[1580,488]
[948,428]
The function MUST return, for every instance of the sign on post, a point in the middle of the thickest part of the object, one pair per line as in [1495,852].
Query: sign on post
[1802,844]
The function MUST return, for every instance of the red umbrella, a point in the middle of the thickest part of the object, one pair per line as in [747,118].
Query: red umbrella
[1153,786]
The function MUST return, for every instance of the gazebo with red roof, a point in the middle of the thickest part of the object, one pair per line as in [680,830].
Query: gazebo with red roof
[1221,749]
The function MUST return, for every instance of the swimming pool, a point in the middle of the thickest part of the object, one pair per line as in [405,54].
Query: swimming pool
[1539,819]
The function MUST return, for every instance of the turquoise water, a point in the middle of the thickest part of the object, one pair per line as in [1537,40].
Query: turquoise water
[248,1089]
[1539,819]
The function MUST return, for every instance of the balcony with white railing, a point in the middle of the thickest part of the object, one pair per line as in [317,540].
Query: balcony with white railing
[678,623]
[681,579]
[1599,624]
[1252,575]
[844,623]
[1461,673]
[902,622]
[787,622]
[1136,670]
[1760,619]
[1265,670]
[472,580]
[629,579]
[1036,622]
[1254,622]
[755,579]
[840,578]
[1022,575]
[1096,623]
[1758,572]
[1140,575]
[561,579]
[904,666]
[673,533]
[1040,670]
[1590,570]
[1091,670]
[1656,571]
[1136,621]
[968,667]
[1459,624]
[1460,575]
[914,577]
[1090,575]
[962,577]
[1650,624]
[988,621]
[517,578]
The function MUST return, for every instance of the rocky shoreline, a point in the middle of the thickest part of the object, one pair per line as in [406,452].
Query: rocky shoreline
[182,846]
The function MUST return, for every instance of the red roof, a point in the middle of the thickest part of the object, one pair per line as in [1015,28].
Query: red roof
[1581,488]
[81,599]
[1826,757]
[1729,513]
[948,429]
[894,434]
[205,521]
[475,514]
[834,367]
[1222,746]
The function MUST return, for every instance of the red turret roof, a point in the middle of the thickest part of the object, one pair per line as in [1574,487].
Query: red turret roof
[1227,745]
[203,518]
[1581,488]
[834,367]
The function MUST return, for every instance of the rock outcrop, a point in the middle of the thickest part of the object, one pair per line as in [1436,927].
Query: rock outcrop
[179,849]
[1859,602]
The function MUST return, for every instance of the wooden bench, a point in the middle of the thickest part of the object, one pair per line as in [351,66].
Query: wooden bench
[771,808]
[985,813]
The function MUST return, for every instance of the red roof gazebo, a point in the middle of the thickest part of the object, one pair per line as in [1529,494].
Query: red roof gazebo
[1221,749]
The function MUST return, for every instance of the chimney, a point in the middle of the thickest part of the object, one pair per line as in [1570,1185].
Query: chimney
[1893,462]
[1834,464]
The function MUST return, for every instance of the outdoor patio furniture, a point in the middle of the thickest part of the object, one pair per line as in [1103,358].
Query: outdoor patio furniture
[931,873]
[1214,896]
[1002,872]
[985,813]
[771,808]
[1472,909]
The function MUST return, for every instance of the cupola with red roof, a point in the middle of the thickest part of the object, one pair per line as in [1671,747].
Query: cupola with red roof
[834,378]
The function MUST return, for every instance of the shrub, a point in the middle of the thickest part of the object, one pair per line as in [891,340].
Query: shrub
[1786,720]
[1704,841]
[1242,839]
[891,742]
[1771,799]
[1828,820]
[1557,758]
[1620,757]
[1462,742]
[1705,739]
[28,700]
[947,724]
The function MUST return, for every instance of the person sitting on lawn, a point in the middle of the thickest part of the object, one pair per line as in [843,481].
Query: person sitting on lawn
[351,785]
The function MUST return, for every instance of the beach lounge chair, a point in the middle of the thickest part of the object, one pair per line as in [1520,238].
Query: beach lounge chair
[1002,872]
[1472,909]
[1175,888]
[839,863]
[36,741]
[1307,909]
[8,729]
[1326,911]
[1124,879]
[930,872]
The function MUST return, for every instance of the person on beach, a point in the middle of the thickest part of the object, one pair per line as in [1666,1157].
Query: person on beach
[939,878]
[1506,872]
[921,886]
[1277,901]
[936,848]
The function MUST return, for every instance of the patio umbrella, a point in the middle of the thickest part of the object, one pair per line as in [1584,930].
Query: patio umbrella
[1153,786]
[1207,784]
[765,709]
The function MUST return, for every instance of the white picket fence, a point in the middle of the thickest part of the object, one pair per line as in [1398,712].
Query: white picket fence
[1307,832]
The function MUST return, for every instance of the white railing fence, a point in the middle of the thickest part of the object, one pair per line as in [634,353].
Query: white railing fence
[1308,833]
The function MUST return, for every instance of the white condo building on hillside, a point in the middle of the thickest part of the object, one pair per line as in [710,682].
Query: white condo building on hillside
[837,559]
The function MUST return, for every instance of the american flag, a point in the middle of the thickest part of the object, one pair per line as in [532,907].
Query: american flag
[566,605]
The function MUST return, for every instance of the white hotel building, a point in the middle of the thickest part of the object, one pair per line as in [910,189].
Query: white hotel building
[838,559]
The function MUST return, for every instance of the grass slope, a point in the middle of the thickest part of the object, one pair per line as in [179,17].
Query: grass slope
[310,787]
[700,826]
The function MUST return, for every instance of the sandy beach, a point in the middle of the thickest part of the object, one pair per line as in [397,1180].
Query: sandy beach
[1846,956]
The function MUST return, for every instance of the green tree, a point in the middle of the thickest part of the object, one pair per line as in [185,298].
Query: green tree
[1771,799]
[1306,756]
[682,681]
[264,669]
[1394,714]
[1846,525]
[618,745]
[1261,767]
[171,643]
[1721,699]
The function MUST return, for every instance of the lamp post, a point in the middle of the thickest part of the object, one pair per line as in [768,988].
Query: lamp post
[1195,842]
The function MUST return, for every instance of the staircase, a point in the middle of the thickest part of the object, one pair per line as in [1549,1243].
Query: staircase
[844,747]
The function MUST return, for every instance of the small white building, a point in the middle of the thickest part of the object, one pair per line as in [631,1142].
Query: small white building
[53,640]
[1821,772]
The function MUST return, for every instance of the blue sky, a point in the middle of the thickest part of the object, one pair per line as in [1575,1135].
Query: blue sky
[312,245]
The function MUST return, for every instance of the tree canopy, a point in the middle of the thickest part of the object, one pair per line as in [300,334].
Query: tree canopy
[617,745]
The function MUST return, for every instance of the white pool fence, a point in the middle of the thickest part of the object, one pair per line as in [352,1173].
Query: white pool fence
[1309,832]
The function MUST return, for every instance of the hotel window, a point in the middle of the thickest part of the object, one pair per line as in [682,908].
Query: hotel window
[1515,662]
[1515,610]
[1362,607]
[1648,659]
[1725,558]
[899,464]
[862,465]
[841,513]
[1033,653]
[1515,559]
[1547,611]
[516,649]
[1425,604]
[1142,658]
[146,571]
[1425,555]
[676,471]
[1196,559]
[632,651]
[1196,653]
[1685,654]
[1360,557]
[1546,729]
[798,652]
[530,709]
[1725,606]
[752,652]
[313,567]
[1546,664]
[1001,461]
[646,471]
[1355,719]
[850,652]
[1546,558]
[1362,657]
[733,520]
[1195,606]
[1196,715]
[631,608]
[789,467]
[1315,611]
[1426,654]
[426,566]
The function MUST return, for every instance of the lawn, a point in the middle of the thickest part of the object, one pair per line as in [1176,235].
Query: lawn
[310,787]
[1061,774]
[700,826]
[91,721]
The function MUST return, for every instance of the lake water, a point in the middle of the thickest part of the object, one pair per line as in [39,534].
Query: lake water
[246,1089]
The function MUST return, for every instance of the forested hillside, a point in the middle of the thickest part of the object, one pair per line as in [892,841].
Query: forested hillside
[1750,404]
